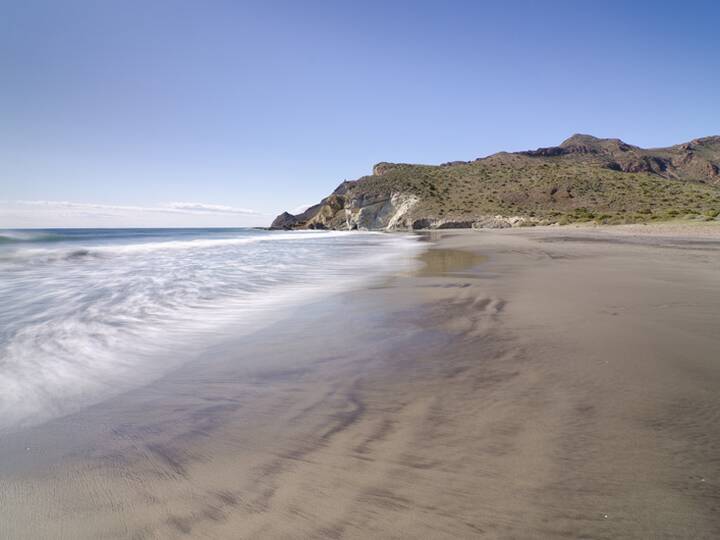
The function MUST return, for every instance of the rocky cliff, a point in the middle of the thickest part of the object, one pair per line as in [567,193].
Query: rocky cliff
[584,178]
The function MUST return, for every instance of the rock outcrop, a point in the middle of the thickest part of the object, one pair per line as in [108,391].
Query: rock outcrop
[284,221]
[353,211]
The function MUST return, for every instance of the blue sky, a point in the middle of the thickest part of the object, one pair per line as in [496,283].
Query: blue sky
[226,112]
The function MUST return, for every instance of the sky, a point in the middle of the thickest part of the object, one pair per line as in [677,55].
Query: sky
[225,113]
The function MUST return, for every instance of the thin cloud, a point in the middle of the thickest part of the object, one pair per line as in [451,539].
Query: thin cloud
[300,209]
[42,213]
[202,207]
[172,207]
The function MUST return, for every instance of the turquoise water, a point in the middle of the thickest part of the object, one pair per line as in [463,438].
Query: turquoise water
[87,313]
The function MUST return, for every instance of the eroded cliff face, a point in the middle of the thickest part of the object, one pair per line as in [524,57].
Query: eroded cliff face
[376,212]
[397,211]
[353,211]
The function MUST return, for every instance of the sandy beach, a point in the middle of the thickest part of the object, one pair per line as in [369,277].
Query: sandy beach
[522,383]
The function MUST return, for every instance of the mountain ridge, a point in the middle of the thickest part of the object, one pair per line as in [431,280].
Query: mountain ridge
[584,178]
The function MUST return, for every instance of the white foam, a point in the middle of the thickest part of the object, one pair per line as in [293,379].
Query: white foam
[50,254]
[80,329]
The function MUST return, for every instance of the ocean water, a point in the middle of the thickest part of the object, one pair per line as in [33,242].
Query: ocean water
[88,313]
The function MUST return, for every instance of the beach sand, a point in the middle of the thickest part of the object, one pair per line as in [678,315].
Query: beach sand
[526,383]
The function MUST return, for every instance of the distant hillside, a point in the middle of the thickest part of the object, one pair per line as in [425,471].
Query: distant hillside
[583,179]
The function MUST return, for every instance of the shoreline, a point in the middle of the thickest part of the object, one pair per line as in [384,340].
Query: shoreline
[91,315]
[529,382]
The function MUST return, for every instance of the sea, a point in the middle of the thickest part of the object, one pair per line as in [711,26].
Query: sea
[88,313]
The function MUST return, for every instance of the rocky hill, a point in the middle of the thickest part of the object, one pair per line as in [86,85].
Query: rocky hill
[583,179]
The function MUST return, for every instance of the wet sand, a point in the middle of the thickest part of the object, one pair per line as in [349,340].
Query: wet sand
[550,383]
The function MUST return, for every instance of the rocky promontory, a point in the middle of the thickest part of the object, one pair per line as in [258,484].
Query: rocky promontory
[583,179]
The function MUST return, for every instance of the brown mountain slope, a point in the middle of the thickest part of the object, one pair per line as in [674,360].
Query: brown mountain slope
[584,178]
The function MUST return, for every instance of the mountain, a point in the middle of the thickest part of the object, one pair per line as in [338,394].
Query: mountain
[583,179]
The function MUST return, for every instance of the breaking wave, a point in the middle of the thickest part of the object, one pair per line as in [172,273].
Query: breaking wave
[89,313]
